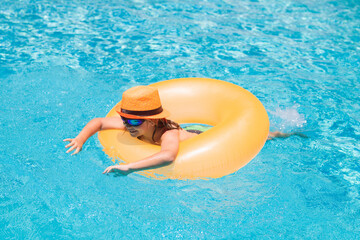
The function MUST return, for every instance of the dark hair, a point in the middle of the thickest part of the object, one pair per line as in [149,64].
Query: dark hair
[165,124]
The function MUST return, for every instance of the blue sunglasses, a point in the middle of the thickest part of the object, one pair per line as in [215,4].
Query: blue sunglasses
[133,122]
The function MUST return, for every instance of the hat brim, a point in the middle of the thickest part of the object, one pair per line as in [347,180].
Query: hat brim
[163,114]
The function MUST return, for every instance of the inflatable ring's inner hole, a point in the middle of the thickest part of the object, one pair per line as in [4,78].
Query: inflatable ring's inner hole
[196,126]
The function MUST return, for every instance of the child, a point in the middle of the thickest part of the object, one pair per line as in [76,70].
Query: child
[143,116]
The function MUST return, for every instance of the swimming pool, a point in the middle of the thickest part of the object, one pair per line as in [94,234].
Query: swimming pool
[66,62]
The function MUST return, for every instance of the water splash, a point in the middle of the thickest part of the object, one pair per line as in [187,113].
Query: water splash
[287,119]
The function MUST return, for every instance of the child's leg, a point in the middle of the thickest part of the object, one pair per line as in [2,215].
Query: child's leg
[278,134]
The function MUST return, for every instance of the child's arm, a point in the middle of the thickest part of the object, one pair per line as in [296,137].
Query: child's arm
[90,129]
[169,149]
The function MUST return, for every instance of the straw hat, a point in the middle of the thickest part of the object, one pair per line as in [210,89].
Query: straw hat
[141,102]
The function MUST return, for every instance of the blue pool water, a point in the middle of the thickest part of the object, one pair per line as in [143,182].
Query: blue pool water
[63,63]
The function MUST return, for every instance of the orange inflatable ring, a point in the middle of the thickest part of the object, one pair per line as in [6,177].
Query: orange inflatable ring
[240,129]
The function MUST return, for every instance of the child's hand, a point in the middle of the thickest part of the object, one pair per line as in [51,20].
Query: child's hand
[74,144]
[122,168]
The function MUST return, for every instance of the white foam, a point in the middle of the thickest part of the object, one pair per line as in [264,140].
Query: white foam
[290,117]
